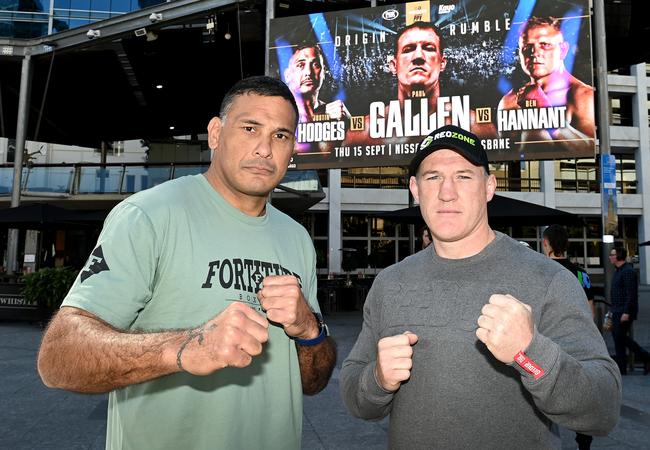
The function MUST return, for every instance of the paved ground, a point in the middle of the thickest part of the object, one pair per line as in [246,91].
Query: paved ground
[34,417]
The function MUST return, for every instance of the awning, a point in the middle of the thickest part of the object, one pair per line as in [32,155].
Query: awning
[40,216]
[298,191]
[502,211]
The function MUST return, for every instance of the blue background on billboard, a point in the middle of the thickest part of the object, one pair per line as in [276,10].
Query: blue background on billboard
[323,35]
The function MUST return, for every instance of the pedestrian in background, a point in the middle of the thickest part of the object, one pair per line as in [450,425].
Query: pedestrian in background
[625,307]
[555,243]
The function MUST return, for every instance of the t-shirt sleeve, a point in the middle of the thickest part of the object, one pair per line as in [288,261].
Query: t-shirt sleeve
[117,281]
[312,285]
[585,282]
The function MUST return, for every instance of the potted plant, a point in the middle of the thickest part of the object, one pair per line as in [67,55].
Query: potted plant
[47,287]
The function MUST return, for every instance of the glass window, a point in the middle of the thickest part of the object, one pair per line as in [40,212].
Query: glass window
[100,5]
[575,232]
[576,252]
[404,249]
[49,179]
[321,253]
[593,254]
[403,230]
[375,177]
[99,180]
[621,109]
[382,253]
[519,232]
[354,254]
[593,227]
[181,171]
[120,5]
[626,174]
[39,5]
[354,225]
[75,23]
[321,224]
[139,178]
[65,4]
[576,175]
[381,227]
[80,5]
[520,176]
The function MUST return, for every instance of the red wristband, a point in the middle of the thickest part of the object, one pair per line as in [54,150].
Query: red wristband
[529,365]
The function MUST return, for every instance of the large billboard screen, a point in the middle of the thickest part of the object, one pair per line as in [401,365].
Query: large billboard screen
[371,83]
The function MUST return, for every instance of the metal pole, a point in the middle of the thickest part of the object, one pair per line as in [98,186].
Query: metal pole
[603,128]
[270,14]
[50,18]
[21,131]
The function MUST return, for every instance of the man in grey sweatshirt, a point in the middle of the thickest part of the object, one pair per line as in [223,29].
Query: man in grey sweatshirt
[476,341]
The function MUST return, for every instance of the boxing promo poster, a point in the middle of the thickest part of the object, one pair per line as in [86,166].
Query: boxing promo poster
[371,83]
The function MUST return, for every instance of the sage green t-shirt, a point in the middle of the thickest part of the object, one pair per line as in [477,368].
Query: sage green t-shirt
[172,257]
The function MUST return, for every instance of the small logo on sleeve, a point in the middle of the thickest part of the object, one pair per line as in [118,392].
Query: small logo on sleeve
[529,365]
[95,264]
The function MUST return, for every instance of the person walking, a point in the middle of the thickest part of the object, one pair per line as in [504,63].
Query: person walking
[625,307]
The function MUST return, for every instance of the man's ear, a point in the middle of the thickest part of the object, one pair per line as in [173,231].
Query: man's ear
[413,186]
[392,65]
[214,130]
[443,63]
[490,186]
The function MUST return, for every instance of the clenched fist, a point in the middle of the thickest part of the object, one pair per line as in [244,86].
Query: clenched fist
[282,299]
[532,95]
[394,360]
[337,110]
[231,338]
[505,326]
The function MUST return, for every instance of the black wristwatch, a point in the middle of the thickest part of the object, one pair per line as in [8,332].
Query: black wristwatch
[323,333]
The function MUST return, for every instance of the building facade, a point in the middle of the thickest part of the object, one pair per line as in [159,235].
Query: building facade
[348,228]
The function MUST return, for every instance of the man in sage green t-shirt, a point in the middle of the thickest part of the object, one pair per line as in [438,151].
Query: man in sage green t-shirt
[197,309]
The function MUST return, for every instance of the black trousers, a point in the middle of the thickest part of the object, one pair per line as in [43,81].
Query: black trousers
[623,341]
[584,441]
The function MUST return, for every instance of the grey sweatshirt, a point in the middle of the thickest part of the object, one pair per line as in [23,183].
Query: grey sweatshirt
[459,395]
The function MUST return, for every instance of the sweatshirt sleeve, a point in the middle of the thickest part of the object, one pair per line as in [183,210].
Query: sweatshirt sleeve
[362,395]
[580,387]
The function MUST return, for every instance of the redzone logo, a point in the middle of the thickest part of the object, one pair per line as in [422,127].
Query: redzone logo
[453,135]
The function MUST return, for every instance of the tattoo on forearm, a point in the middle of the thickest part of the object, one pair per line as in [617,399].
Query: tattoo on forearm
[192,334]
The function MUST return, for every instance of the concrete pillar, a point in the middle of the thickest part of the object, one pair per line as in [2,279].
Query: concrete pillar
[31,257]
[334,229]
[642,157]
[547,174]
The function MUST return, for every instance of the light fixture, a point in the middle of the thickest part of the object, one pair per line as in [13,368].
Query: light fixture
[92,34]
[155,17]
[227,36]
[172,127]
[141,32]
[159,86]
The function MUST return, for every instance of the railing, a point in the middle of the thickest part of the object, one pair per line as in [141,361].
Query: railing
[373,180]
[518,184]
[89,178]
[119,178]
